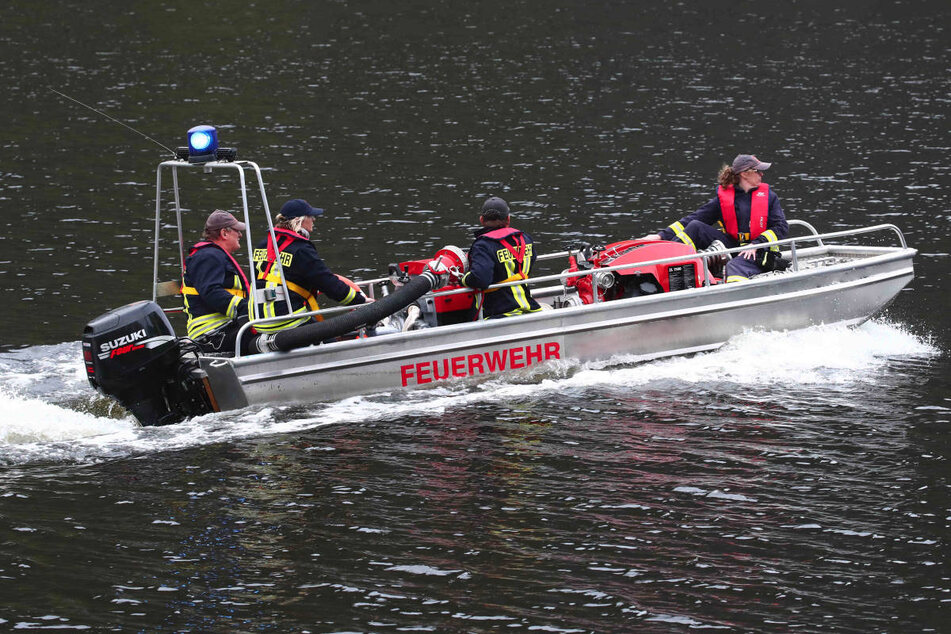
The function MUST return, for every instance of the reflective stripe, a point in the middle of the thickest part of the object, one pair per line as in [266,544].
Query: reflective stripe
[770,236]
[678,230]
[233,307]
[275,281]
[206,323]
[349,298]
[191,290]
[737,278]
[511,278]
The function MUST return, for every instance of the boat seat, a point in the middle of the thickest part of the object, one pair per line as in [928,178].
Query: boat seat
[168,289]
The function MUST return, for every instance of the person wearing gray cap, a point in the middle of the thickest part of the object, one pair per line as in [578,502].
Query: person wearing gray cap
[746,212]
[500,253]
[215,288]
[305,273]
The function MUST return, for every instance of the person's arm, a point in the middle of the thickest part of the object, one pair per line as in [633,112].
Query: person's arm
[321,278]
[709,213]
[481,266]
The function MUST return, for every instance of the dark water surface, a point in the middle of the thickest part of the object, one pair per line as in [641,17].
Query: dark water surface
[789,481]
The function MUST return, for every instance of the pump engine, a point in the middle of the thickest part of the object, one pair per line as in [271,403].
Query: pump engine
[446,309]
[638,279]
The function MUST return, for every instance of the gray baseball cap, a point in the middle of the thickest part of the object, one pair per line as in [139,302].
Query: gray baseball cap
[745,162]
[219,219]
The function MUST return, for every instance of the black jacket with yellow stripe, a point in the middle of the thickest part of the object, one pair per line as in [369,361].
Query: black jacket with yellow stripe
[306,274]
[501,255]
[214,288]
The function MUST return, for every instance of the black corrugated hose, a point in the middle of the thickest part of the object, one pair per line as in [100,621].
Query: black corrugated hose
[361,316]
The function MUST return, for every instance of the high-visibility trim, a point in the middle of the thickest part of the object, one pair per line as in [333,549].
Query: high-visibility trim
[771,236]
[204,324]
[191,290]
[681,235]
[271,278]
[349,298]
[511,278]
[737,278]
[233,307]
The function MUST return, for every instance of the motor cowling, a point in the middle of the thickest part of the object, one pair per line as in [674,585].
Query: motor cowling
[132,355]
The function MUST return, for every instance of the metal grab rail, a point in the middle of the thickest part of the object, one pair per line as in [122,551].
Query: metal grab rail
[815,237]
[681,258]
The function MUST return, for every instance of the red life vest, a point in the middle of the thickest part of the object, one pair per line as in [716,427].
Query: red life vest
[285,238]
[759,211]
[517,250]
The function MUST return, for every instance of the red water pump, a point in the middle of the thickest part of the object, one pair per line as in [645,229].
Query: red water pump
[448,309]
[638,279]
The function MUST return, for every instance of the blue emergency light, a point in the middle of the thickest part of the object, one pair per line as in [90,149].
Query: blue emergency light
[203,146]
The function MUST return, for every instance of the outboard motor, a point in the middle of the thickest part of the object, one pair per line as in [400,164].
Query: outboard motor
[132,355]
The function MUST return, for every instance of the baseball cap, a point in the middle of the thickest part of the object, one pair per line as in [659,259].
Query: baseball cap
[494,207]
[745,162]
[299,207]
[220,219]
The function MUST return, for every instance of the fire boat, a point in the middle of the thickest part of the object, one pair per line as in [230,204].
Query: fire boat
[628,301]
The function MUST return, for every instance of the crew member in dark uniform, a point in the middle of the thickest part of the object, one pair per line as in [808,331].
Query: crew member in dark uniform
[305,272]
[748,212]
[500,253]
[215,288]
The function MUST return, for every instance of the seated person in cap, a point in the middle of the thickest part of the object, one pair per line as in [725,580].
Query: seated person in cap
[500,253]
[304,271]
[749,213]
[214,287]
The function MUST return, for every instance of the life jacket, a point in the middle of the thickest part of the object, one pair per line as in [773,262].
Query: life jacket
[202,323]
[519,270]
[265,264]
[759,212]
[516,261]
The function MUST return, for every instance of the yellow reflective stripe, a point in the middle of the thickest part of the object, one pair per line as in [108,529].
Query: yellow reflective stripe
[510,278]
[270,307]
[770,236]
[191,290]
[518,292]
[233,307]
[275,326]
[350,296]
[297,288]
[519,311]
[678,230]
[206,323]
[737,278]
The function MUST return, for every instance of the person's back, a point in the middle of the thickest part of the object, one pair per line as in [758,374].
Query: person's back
[500,253]
[305,273]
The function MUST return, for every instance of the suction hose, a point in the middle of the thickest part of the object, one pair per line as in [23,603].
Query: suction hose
[310,334]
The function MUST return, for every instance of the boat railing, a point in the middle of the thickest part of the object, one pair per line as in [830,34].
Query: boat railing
[565,275]
[239,167]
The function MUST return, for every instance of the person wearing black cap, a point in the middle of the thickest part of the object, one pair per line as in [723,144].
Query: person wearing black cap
[305,273]
[500,253]
[215,288]
[748,212]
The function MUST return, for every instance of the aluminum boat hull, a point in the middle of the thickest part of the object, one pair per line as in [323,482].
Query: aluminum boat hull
[855,284]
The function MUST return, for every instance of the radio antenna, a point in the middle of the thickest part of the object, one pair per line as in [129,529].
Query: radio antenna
[116,120]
